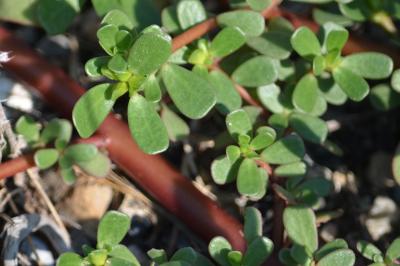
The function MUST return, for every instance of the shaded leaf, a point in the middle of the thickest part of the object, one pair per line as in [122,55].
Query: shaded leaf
[309,127]
[252,224]
[28,128]
[176,127]
[98,166]
[393,251]
[258,251]
[395,80]
[355,87]
[384,98]
[275,44]
[219,248]
[250,22]
[305,93]
[289,149]
[368,250]
[329,248]
[291,170]
[238,123]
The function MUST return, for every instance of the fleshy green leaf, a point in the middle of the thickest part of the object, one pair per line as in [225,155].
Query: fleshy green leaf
[258,71]
[368,250]
[192,94]
[291,170]
[69,259]
[28,128]
[117,64]
[289,149]
[331,92]
[369,65]
[357,10]
[343,257]
[384,98]
[329,248]
[98,166]
[56,16]
[252,224]
[265,136]
[98,257]
[93,66]
[238,123]
[59,130]
[305,43]
[219,248]
[45,158]
[228,99]
[275,44]
[355,87]
[270,97]
[309,127]
[393,251]
[250,22]
[106,36]
[92,108]
[112,229]
[169,18]
[227,41]
[117,18]
[259,5]
[395,81]
[81,152]
[305,93]
[176,127]
[66,170]
[159,256]
[301,227]
[396,165]
[146,125]
[258,251]
[250,181]
[335,36]
[235,258]
[186,254]
[149,52]
[152,90]
[190,12]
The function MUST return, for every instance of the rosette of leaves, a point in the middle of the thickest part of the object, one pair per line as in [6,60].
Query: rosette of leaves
[241,162]
[300,225]
[372,253]
[134,64]
[51,145]
[334,77]
[111,231]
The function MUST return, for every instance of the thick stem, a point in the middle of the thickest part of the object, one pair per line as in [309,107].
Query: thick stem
[15,166]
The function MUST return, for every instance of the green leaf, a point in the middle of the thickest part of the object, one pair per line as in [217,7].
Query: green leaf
[66,170]
[393,251]
[291,170]
[192,94]
[118,262]
[369,65]
[93,66]
[159,256]
[251,23]
[238,123]
[227,41]
[69,259]
[112,229]
[176,127]
[98,166]
[59,130]
[252,224]
[357,10]
[319,186]
[309,127]
[118,19]
[279,122]
[331,92]
[23,12]
[219,248]
[301,227]
[322,16]
[148,53]
[396,165]
[305,93]
[343,257]
[258,251]
[235,258]
[221,171]
[270,97]
[190,13]
[274,44]
[45,158]
[98,257]
[265,136]
[289,149]
[169,18]
[28,128]
[259,5]
[228,98]
[106,36]
[117,64]
[395,80]
[329,248]
[305,43]
[355,87]
[56,16]
[81,152]
[250,181]
[300,255]
[286,258]
[335,36]
[146,125]
[91,109]
[152,90]
[186,254]
[383,98]
[368,250]
[258,71]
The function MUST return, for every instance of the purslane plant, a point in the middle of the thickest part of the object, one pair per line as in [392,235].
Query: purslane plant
[52,145]
[372,253]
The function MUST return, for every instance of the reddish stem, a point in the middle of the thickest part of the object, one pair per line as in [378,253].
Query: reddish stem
[15,166]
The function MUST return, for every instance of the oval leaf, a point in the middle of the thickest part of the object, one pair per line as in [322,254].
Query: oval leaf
[258,71]
[355,87]
[309,127]
[249,22]
[227,41]
[252,224]
[69,259]
[219,248]
[305,93]
[192,94]
[146,125]
[98,166]
[250,182]
[81,152]
[305,43]
[190,12]
[289,149]
[258,251]
[45,158]
[112,229]
[343,257]
[369,65]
